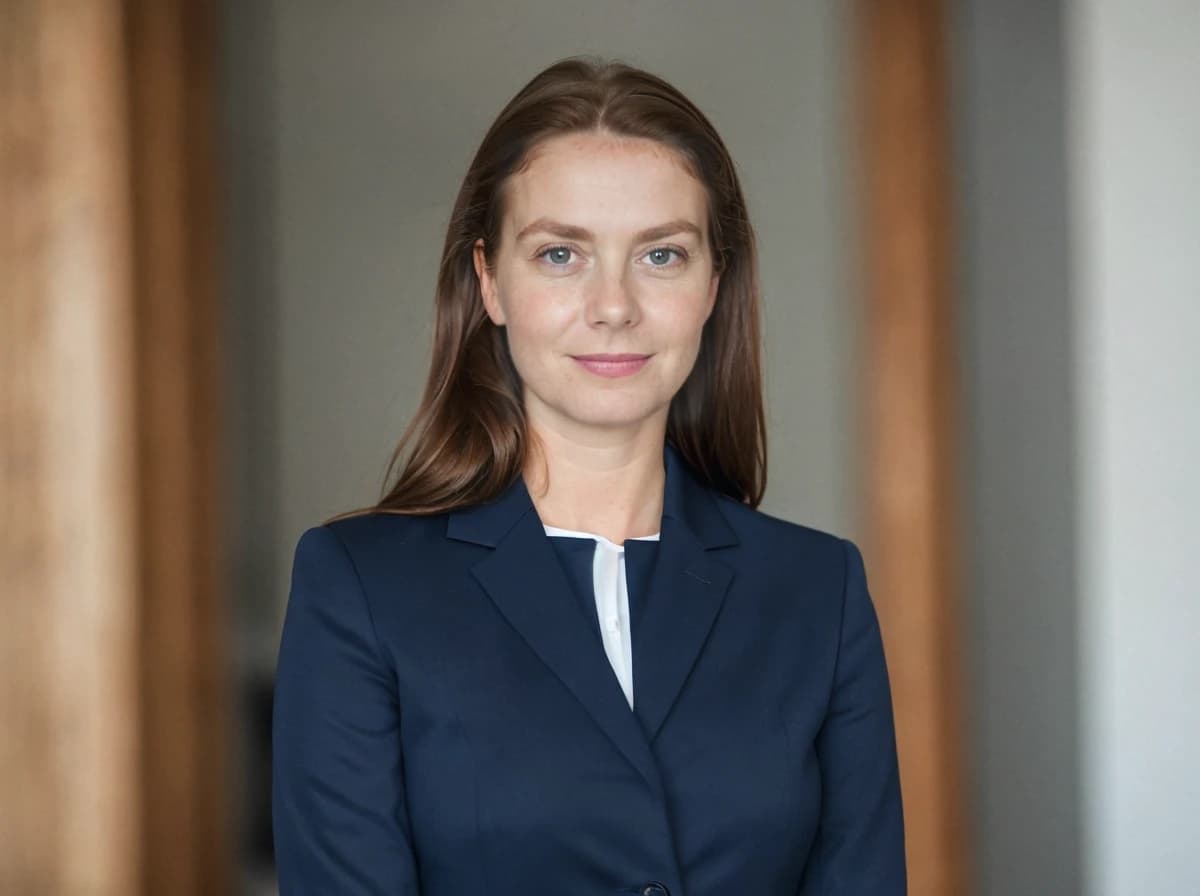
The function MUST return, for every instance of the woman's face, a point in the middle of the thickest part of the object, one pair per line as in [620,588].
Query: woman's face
[603,278]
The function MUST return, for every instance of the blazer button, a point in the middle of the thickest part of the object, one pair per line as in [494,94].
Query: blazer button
[655,889]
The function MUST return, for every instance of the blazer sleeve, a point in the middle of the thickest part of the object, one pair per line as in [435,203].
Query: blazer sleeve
[338,806]
[859,847]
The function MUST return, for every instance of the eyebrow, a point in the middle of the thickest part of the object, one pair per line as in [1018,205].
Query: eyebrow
[573,232]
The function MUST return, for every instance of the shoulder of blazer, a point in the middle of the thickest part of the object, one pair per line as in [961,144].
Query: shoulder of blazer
[784,551]
[753,525]
[389,544]
[384,526]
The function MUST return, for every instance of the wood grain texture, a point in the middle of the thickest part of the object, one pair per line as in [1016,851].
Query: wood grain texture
[910,423]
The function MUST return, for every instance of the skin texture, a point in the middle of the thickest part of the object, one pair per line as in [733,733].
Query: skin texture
[611,291]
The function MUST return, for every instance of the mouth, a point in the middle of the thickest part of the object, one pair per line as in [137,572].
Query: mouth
[612,365]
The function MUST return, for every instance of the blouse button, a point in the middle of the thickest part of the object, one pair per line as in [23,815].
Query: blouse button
[655,889]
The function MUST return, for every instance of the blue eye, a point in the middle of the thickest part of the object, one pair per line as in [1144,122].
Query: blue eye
[556,255]
[661,257]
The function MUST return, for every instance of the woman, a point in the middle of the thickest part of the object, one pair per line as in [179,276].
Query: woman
[565,654]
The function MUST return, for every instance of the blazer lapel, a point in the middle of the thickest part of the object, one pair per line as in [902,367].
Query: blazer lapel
[686,590]
[526,581]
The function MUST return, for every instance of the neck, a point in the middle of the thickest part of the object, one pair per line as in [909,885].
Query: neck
[610,488]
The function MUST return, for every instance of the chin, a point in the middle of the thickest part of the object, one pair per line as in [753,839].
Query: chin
[611,414]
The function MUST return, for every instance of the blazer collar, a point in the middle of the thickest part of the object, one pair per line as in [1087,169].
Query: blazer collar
[685,499]
[528,585]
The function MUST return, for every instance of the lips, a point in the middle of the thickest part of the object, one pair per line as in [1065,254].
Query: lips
[612,365]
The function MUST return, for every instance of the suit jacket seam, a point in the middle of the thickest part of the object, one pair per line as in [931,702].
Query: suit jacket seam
[362,590]
[841,630]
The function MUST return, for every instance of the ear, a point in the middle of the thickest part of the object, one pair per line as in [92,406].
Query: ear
[487,285]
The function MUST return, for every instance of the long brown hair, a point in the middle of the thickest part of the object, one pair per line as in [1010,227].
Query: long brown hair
[468,439]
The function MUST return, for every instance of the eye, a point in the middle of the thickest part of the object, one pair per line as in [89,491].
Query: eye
[558,256]
[661,256]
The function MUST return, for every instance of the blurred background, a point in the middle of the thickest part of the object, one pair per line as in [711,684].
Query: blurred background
[980,240]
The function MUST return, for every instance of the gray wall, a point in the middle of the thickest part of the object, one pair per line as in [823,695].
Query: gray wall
[351,126]
[1135,184]
[1019,446]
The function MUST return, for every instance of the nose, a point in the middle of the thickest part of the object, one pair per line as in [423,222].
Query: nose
[611,300]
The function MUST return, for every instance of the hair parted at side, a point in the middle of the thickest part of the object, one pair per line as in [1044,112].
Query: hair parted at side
[468,440]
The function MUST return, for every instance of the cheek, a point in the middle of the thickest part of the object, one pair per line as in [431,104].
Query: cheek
[681,320]
[540,318]
[538,323]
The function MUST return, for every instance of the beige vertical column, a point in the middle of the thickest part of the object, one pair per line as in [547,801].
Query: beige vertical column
[113,689]
[69,784]
[910,426]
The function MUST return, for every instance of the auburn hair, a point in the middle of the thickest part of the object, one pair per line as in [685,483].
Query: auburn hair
[468,440]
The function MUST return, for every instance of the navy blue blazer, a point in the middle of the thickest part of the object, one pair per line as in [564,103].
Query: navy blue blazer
[446,722]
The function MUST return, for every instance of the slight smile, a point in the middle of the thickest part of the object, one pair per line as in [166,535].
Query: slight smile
[612,365]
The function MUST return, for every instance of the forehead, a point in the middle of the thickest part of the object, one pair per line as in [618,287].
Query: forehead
[604,183]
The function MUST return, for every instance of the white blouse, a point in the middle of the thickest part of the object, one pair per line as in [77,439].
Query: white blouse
[612,602]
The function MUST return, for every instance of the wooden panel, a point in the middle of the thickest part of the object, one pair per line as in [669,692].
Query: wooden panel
[68,598]
[910,420]
[171,46]
[112,673]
